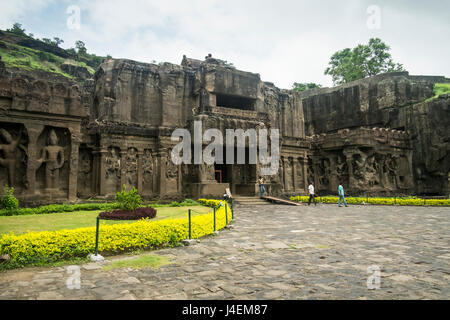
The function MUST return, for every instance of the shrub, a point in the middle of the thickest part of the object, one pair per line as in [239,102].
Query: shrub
[137,214]
[211,203]
[9,202]
[50,246]
[130,200]
[409,201]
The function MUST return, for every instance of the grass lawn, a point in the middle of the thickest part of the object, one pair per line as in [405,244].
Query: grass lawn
[81,219]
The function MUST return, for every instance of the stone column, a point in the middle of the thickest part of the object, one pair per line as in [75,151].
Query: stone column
[161,167]
[140,171]
[315,160]
[305,172]
[34,131]
[100,171]
[351,179]
[73,165]
[283,165]
[294,174]
[123,168]
[334,183]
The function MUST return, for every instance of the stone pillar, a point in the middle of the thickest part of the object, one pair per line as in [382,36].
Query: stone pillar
[315,161]
[305,172]
[123,168]
[34,132]
[161,167]
[100,175]
[73,165]
[140,171]
[294,174]
[351,179]
[334,183]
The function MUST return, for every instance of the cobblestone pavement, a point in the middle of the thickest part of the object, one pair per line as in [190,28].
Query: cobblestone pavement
[277,252]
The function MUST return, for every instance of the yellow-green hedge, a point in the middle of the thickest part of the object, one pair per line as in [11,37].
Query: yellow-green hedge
[211,203]
[51,246]
[380,201]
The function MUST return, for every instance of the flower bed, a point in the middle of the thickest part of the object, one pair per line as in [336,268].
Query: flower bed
[43,247]
[379,201]
[138,214]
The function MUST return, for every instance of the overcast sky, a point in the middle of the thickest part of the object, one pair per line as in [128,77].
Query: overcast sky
[284,41]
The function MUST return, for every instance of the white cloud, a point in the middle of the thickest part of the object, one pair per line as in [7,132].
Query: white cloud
[14,11]
[284,41]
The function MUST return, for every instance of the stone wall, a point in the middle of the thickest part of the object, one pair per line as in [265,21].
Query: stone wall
[393,101]
[40,128]
[62,140]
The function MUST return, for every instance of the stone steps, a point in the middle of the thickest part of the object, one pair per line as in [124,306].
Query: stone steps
[250,201]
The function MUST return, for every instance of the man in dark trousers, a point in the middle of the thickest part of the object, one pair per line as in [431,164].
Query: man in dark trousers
[312,195]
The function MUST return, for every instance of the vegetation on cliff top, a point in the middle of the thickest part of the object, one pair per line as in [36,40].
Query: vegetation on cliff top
[19,50]
[440,89]
[362,61]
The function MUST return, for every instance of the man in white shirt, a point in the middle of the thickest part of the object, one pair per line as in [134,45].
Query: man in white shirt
[312,194]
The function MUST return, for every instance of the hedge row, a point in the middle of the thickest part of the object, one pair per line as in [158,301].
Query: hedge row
[57,208]
[380,201]
[211,203]
[51,246]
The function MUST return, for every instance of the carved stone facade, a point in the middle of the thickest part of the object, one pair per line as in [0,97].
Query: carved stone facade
[61,140]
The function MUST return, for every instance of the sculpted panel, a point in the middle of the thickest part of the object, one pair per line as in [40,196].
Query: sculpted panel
[148,171]
[13,155]
[113,167]
[53,167]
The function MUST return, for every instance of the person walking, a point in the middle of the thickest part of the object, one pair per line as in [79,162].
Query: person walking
[341,195]
[312,195]
[261,187]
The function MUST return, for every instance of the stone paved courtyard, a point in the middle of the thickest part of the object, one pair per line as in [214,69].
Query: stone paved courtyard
[278,252]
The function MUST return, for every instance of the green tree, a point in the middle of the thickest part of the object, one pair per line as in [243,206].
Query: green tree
[17,29]
[47,41]
[81,47]
[362,61]
[305,86]
[57,41]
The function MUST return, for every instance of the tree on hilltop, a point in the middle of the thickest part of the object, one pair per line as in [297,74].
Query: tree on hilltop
[362,61]
[305,86]
[17,29]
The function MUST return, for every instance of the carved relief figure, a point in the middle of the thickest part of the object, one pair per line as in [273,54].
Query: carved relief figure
[359,163]
[171,170]
[372,171]
[131,164]
[9,151]
[390,171]
[324,173]
[112,164]
[53,157]
[341,167]
[147,166]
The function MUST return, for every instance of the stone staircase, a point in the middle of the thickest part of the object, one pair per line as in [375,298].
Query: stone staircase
[250,201]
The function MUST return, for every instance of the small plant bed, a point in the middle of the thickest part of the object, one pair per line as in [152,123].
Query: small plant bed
[137,214]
